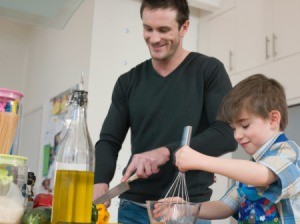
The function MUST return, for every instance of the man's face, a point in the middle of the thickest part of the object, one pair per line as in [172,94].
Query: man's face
[161,33]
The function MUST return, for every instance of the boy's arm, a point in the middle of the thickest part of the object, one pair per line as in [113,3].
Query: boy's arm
[215,210]
[245,171]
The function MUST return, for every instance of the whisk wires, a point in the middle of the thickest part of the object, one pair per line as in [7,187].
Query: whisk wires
[179,188]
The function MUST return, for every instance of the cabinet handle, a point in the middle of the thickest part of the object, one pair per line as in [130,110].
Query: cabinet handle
[230,60]
[274,39]
[267,48]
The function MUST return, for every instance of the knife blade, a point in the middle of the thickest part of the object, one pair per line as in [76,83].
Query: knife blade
[115,191]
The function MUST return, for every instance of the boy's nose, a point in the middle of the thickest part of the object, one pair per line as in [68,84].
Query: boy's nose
[238,135]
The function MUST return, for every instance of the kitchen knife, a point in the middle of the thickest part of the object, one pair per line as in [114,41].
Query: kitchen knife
[115,191]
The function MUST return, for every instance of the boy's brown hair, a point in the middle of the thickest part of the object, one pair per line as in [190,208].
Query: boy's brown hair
[257,95]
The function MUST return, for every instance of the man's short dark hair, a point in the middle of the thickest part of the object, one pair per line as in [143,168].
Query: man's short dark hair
[181,6]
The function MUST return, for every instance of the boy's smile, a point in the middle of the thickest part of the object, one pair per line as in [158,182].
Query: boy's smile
[252,131]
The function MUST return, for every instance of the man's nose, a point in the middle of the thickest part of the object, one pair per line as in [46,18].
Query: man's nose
[155,37]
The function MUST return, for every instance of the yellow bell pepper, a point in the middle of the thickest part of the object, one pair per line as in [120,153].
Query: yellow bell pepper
[103,214]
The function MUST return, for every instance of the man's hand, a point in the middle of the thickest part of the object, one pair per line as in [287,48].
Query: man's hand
[147,163]
[99,190]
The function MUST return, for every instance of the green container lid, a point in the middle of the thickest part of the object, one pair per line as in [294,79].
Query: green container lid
[13,160]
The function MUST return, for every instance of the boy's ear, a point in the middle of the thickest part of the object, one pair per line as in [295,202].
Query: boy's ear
[275,118]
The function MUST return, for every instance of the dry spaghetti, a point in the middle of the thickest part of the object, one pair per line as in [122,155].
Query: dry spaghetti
[8,126]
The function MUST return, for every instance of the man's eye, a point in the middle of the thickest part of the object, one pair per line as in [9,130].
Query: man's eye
[164,30]
[148,29]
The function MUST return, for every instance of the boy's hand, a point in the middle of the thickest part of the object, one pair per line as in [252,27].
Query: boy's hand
[187,159]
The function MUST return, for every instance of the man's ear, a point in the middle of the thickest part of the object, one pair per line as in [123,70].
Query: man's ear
[275,118]
[184,28]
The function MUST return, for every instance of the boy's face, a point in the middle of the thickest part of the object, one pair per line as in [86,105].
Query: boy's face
[252,132]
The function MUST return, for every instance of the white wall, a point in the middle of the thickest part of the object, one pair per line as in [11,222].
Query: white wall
[13,54]
[41,62]
[57,57]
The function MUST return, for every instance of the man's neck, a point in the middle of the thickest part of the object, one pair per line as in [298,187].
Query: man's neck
[165,67]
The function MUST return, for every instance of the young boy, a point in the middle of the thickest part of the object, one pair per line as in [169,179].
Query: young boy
[267,188]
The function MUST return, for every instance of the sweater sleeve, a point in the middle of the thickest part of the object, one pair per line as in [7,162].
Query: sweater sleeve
[112,135]
[217,139]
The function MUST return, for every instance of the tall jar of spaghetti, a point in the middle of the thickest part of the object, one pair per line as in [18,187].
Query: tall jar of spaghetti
[10,120]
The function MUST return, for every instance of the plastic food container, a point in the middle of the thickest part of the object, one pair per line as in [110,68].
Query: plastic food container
[13,179]
[10,120]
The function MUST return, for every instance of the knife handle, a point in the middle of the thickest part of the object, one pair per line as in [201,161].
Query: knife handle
[132,178]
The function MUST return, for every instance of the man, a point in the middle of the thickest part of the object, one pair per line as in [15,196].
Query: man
[156,100]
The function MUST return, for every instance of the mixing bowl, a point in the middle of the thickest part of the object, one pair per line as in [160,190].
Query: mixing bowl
[172,212]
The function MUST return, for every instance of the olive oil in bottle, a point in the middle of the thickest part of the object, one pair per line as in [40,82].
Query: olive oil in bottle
[74,177]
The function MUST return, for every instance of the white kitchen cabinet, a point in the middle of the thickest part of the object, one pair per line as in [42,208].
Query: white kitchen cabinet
[286,71]
[253,22]
[216,35]
[266,31]
[221,38]
[286,29]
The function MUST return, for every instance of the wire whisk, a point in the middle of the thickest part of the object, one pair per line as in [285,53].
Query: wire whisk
[179,187]
[179,209]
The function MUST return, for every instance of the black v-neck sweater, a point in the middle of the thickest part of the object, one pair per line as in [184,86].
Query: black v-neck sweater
[156,109]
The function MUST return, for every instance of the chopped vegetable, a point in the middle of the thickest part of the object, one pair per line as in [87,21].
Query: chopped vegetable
[42,215]
[44,200]
[39,215]
[103,214]
[94,214]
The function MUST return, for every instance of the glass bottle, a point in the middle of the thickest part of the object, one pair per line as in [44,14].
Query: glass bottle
[31,178]
[74,176]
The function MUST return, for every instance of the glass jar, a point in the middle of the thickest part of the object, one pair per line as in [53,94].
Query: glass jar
[13,179]
[10,120]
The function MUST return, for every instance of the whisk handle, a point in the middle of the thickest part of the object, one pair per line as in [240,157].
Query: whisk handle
[186,136]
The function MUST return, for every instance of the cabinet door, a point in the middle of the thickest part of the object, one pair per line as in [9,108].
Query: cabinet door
[286,71]
[286,30]
[253,46]
[221,38]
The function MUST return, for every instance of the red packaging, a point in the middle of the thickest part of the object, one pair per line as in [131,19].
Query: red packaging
[44,200]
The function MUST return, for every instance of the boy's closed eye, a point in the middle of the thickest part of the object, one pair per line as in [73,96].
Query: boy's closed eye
[245,126]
